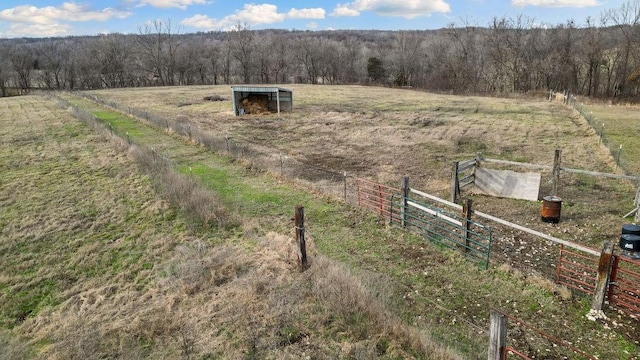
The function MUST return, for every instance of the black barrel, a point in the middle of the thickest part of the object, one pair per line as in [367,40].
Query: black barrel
[632,229]
[630,242]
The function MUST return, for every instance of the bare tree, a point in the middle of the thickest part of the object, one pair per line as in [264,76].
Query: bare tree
[407,47]
[242,41]
[307,53]
[593,56]
[4,69]
[158,47]
[466,64]
[23,62]
[114,57]
[52,58]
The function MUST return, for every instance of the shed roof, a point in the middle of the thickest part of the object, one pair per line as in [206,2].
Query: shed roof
[259,89]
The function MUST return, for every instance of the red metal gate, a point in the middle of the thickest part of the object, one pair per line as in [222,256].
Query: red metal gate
[624,286]
[376,197]
[577,271]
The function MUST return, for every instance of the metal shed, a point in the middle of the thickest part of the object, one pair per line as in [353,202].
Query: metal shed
[276,99]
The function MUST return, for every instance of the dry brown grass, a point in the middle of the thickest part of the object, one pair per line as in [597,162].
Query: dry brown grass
[158,291]
[342,127]
[131,282]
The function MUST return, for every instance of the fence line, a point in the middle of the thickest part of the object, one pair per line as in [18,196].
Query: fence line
[383,201]
[614,149]
[499,323]
[329,181]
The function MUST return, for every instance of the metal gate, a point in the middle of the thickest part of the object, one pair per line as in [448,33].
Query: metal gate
[449,229]
[439,226]
[375,197]
[577,271]
[624,285]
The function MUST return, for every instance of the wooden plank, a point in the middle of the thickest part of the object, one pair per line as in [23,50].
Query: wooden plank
[434,213]
[526,165]
[466,165]
[538,233]
[548,167]
[509,184]
[596,173]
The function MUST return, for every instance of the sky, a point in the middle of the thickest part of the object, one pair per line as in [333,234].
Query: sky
[53,18]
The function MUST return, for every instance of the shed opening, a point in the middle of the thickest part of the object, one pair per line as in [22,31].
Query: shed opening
[261,100]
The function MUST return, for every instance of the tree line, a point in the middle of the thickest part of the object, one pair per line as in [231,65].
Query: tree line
[511,54]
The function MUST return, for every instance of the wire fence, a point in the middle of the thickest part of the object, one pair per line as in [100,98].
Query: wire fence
[331,182]
[326,181]
[622,158]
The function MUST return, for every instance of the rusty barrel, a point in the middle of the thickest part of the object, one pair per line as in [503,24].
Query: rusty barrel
[551,209]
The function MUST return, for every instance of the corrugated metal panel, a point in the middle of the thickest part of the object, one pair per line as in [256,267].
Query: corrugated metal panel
[258,89]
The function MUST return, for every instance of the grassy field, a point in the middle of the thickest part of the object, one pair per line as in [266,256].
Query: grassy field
[103,264]
[385,134]
[617,123]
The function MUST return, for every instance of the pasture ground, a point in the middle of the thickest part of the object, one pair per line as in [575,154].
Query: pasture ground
[142,278]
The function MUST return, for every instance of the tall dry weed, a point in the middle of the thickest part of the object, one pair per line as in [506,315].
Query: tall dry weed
[11,348]
[363,303]
[183,191]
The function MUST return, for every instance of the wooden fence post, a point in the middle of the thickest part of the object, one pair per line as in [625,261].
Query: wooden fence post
[345,186]
[636,202]
[455,186]
[466,211]
[405,195]
[302,245]
[602,280]
[557,158]
[497,335]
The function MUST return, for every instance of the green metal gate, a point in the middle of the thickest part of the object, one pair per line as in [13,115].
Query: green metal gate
[449,229]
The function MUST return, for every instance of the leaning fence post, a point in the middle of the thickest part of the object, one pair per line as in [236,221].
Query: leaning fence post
[497,335]
[455,189]
[345,186]
[619,154]
[405,196]
[602,280]
[302,245]
[556,171]
[466,211]
[636,202]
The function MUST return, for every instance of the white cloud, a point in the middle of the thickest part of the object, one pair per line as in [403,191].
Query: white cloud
[555,3]
[311,13]
[49,15]
[166,4]
[251,15]
[312,25]
[201,22]
[38,30]
[401,8]
[344,10]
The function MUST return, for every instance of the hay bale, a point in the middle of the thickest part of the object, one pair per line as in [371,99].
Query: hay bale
[255,104]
